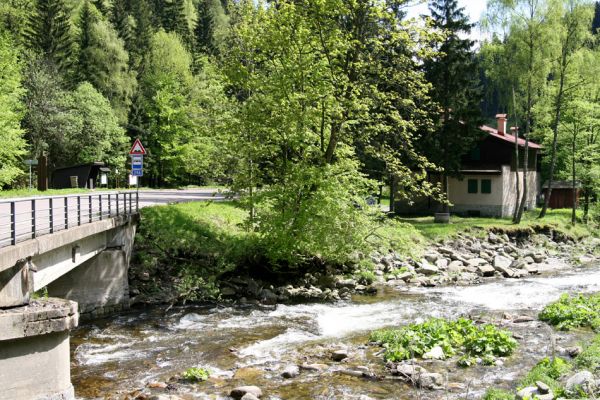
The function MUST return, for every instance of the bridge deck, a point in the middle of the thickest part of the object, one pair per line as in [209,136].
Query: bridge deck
[27,218]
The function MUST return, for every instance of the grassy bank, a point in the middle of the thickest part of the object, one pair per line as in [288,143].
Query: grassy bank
[559,220]
[193,246]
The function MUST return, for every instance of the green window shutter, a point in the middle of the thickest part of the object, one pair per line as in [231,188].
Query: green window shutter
[472,185]
[486,186]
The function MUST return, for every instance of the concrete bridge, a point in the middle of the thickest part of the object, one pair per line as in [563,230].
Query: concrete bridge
[78,247]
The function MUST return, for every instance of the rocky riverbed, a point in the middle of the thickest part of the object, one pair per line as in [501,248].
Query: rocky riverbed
[464,260]
[321,350]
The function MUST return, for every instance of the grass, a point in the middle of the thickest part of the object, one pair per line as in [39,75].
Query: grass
[192,244]
[548,371]
[557,219]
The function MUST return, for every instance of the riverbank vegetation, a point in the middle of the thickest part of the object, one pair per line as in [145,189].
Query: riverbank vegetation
[440,339]
[573,312]
[195,246]
[200,243]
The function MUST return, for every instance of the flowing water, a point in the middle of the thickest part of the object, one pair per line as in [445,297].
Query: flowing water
[113,357]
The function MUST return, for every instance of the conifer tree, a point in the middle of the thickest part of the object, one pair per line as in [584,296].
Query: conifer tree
[86,19]
[203,32]
[119,17]
[49,32]
[456,88]
[173,17]
[142,33]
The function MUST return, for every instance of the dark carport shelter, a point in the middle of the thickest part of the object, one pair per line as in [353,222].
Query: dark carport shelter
[82,176]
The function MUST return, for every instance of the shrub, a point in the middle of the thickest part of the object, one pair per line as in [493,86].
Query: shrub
[454,337]
[195,374]
[573,312]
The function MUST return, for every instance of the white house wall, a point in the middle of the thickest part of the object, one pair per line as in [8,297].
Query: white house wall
[487,204]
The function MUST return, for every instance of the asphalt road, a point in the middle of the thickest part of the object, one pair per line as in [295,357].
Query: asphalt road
[68,213]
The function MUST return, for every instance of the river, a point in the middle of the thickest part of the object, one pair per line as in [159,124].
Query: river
[113,357]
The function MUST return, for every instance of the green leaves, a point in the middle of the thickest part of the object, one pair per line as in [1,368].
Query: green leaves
[11,111]
[461,337]
[573,312]
[196,374]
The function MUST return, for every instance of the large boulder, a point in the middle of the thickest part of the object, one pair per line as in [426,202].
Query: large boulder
[581,381]
[485,270]
[475,262]
[431,381]
[240,391]
[427,269]
[502,263]
[291,371]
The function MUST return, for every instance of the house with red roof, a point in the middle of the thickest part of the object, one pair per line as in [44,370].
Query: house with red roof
[487,185]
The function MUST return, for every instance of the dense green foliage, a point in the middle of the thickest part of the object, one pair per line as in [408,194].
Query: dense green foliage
[461,337]
[194,244]
[573,312]
[302,108]
[13,143]
[196,374]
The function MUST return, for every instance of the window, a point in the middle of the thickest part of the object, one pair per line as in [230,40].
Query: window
[486,186]
[472,185]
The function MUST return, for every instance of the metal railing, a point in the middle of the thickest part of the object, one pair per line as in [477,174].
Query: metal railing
[27,218]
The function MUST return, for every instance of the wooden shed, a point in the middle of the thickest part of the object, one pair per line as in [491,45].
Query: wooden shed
[82,176]
[562,194]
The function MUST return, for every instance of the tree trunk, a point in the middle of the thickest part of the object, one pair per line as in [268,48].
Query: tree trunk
[574,194]
[586,205]
[555,123]
[392,193]
[517,180]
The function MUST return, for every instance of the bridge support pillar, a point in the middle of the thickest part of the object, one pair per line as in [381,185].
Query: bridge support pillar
[99,286]
[34,350]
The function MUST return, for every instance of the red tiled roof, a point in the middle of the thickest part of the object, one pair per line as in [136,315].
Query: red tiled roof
[508,138]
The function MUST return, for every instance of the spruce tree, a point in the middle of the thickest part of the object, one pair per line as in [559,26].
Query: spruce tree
[142,32]
[173,17]
[86,20]
[49,32]
[119,17]
[204,30]
[456,88]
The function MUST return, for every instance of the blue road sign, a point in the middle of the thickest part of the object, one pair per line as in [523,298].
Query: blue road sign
[137,172]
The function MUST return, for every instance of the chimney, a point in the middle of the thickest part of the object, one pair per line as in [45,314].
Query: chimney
[514,131]
[501,118]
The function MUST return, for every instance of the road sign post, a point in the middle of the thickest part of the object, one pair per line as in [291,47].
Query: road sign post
[137,154]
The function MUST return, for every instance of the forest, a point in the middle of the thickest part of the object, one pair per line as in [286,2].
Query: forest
[302,108]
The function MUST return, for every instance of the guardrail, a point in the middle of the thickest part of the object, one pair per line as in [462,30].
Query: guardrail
[27,218]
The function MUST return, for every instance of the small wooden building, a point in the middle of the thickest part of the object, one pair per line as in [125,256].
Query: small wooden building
[562,194]
[85,176]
